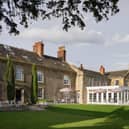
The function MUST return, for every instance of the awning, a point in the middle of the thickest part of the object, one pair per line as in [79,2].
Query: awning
[66,89]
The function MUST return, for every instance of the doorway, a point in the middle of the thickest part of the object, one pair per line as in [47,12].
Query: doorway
[18,95]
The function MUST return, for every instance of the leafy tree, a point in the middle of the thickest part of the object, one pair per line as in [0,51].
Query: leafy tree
[34,87]
[10,79]
[72,12]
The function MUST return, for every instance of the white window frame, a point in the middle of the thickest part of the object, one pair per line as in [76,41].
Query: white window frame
[42,93]
[19,73]
[40,73]
[67,80]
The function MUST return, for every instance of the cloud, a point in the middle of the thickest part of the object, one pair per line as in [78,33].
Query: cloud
[121,39]
[121,65]
[73,36]
[120,55]
[118,39]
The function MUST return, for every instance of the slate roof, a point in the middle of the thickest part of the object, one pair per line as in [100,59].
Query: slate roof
[92,73]
[31,57]
[121,73]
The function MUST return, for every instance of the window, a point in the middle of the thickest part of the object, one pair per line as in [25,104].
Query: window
[40,77]
[94,97]
[104,96]
[67,80]
[105,83]
[99,97]
[19,73]
[109,97]
[115,97]
[90,97]
[126,82]
[40,93]
[92,81]
[116,82]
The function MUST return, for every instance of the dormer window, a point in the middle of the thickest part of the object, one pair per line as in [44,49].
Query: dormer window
[19,73]
[40,77]
[67,80]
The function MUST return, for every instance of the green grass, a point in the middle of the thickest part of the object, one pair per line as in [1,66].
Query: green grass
[68,117]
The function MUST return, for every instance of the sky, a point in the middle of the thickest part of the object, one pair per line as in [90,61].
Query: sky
[105,43]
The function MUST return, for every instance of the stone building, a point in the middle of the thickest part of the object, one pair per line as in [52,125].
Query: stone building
[88,78]
[120,78]
[53,73]
[101,87]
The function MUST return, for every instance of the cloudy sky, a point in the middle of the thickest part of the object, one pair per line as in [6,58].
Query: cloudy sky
[105,43]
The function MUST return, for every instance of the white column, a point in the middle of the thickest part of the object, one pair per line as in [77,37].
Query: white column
[107,97]
[97,97]
[121,96]
[127,96]
[124,97]
[112,97]
[118,98]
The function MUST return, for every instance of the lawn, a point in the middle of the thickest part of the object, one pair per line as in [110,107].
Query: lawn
[68,117]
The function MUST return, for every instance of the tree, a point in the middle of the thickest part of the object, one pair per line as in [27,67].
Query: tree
[34,87]
[72,12]
[10,79]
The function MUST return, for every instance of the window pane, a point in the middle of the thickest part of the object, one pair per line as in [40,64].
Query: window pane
[116,82]
[19,73]
[40,76]
[40,92]
[67,80]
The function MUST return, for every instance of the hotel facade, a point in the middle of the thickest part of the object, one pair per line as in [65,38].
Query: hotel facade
[55,74]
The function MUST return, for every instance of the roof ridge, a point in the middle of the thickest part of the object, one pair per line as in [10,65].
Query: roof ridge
[51,57]
[92,70]
[22,49]
[117,70]
[16,47]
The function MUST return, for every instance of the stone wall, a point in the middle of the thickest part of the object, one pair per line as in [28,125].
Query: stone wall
[53,81]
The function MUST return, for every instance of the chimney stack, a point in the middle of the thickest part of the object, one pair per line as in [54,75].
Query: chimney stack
[38,48]
[81,67]
[61,54]
[102,70]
